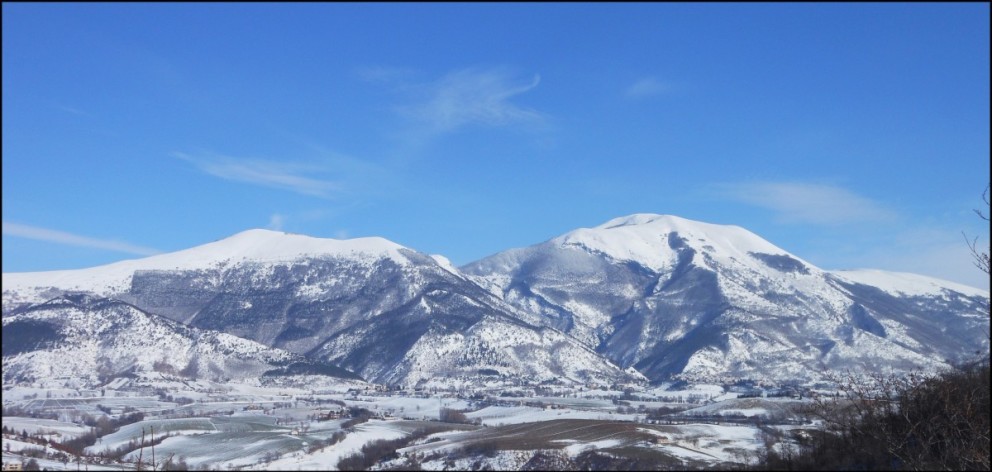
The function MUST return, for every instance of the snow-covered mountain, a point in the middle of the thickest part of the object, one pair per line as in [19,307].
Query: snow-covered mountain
[675,297]
[669,297]
[252,247]
[389,313]
[89,340]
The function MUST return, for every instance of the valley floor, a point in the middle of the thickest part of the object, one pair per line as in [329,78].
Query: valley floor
[201,425]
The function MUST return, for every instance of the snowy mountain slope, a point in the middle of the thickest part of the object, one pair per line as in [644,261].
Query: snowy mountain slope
[674,297]
[256,246]
[92,340]
[364,307]
[667,296]
[905,284]
[450,331]
[273,287]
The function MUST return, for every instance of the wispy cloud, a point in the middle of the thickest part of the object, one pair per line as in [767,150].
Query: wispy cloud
[936,250]
[73,110]
[799,202]
[646,87]
[276,221]
[61,237]
[473,96]
[280,175]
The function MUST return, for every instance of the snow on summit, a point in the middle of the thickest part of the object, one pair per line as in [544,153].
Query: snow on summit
[267,246]
[254,245]
[650,240]
[664,295]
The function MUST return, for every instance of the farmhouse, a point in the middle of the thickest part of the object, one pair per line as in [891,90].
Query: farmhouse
[13,466]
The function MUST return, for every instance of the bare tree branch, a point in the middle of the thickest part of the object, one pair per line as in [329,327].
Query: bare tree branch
[981,257]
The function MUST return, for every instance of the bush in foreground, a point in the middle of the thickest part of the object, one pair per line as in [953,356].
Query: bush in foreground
[938,422]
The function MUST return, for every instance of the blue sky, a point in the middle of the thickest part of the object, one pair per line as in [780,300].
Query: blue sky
[852,135]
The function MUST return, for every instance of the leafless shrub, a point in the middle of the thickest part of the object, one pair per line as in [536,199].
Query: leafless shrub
[981,257]
[448,415]
[916,422]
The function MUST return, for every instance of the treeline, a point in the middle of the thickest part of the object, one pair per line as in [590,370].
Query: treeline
[15,410]
[373,453]
[382,450]
[101,426]
[449,415]
[98,427]
[358,415]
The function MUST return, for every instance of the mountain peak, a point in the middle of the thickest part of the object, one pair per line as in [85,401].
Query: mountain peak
[266,244]
[670,223]
[651,239]
[638,219]
[253,245]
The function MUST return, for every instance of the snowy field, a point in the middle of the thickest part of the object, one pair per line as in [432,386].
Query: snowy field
[408,407]
[151,429]
[686,445]
[273,428]
[767,407]
[328,457]
[501,415]
[43,426]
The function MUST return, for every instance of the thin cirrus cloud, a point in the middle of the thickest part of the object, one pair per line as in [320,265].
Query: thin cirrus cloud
[798,202]
[938,252]
[473,96]
[61,237]
[73,110]
[646,87]
[272,174]
[276,222]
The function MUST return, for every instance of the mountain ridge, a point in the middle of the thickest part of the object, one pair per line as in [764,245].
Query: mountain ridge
[667,296]
[671,297]
[256,237]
